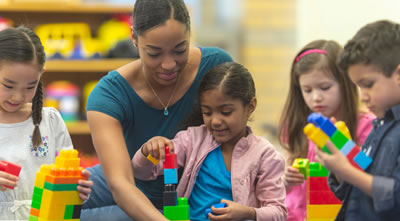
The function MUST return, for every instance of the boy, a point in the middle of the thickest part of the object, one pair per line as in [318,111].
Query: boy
[372,60]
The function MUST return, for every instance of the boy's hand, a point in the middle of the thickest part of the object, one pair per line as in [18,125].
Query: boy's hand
[7,179]
[156,147]
[335,162]
[293,177]
[84,186]
[232,211]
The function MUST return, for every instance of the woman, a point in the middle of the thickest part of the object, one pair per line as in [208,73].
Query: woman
[145,98]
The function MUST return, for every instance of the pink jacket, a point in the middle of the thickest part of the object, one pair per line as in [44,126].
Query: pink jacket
[256,170]
[296,199]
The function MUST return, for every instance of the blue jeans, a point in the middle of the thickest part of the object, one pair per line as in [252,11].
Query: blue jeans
[101,205]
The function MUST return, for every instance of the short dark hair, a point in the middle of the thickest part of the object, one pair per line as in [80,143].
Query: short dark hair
[376,44]
[148,14]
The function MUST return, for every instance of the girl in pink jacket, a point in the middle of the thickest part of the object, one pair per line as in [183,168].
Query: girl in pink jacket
[223,160]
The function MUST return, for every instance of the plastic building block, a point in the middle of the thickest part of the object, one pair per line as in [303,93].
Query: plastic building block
[218,205]
[178,212]
[322,197]
[302,165]
[10,168]
[152,159]
[317,170]
[170,176]
[55,196]
[339,135]
[170,197]
[171,161]
[362,160]
[322,211]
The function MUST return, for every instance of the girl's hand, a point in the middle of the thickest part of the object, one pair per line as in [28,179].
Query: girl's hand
[156,147]
[335,162]
[7,179]
[292,177]
[232,211]
[84,186]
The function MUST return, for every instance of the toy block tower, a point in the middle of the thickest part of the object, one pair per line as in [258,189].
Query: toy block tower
[55,196]
[320,129]
[322,204]
[174,208]
[10,168]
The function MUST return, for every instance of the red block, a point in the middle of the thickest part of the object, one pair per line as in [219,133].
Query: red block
[10,168]
[322,197]
[171,160]
[318,184]
[350,156]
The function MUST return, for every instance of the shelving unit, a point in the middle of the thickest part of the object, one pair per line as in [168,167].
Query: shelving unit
[32,14]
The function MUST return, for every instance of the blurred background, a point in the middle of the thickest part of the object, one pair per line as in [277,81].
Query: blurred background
[84,39]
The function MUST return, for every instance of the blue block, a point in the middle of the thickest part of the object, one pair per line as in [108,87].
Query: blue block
[171,176]
[323,123]
[218,205]
[347,147]
[362,160]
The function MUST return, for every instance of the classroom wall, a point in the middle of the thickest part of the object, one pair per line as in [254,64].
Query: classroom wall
[340,19]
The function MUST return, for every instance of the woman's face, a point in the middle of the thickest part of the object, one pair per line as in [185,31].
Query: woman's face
[164,51]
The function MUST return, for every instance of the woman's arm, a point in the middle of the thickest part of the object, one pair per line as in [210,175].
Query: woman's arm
[110,146]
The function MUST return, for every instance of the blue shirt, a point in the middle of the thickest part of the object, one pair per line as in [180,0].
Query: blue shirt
[383,146]
[114,96]
[213,183]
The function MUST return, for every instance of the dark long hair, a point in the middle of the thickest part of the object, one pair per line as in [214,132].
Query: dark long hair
[23,45]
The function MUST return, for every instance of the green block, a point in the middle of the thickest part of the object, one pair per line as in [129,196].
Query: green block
[33,218]
[179,212]
[338,139]
[60,187]
[302,164]
[69,210]
[36,204]
[317,170]
[37,194]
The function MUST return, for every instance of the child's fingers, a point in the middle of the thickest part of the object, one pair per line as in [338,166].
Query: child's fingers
[86,173]
[7,179]
[332,148]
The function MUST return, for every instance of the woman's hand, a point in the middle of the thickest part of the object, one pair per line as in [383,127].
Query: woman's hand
[84,186]
[232,211]
[156,147]
[292,177]
[7,179]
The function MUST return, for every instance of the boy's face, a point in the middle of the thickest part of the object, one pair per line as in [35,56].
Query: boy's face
[378,91]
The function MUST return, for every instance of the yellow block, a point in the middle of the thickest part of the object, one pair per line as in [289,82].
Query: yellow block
[316,135]
[341,126]
[322,211]
[54,203]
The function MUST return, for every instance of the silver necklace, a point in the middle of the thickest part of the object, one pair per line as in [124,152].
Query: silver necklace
[159,99]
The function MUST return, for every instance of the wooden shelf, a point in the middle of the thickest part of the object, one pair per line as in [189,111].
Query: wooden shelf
[78,66]
[79,127]
[63,7]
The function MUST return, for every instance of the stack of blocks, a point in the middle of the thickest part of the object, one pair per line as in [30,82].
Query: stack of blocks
[55,196]
[10,168]
[174,208]
[322,204]
[320,130]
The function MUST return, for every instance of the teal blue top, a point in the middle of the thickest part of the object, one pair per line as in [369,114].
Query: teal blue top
[114,96]
[213,183]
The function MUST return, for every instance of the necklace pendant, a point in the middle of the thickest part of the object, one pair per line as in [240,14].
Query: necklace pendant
[165,112]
